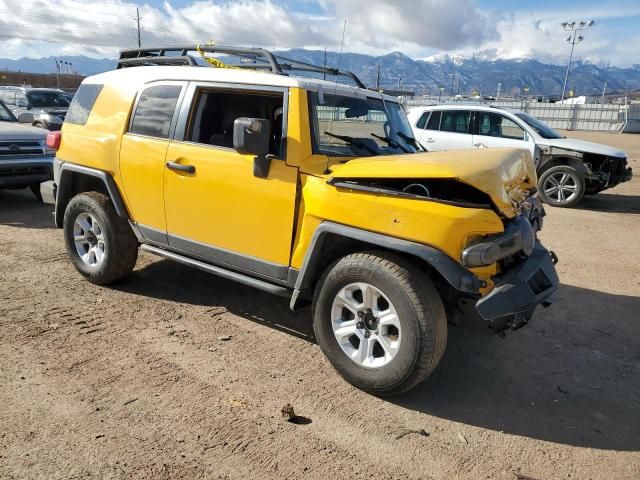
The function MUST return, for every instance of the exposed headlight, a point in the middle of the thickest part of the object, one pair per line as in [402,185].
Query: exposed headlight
[518,237]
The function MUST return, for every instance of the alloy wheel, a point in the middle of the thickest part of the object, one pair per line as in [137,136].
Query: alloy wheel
[366,325]
[88,237]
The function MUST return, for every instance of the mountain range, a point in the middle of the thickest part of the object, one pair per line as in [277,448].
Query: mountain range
[453,73]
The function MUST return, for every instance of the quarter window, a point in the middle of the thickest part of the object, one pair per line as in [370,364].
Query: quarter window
[494,125]
[422,121]
[155,111]
[455,121]
[434,121]
[82,103]
[9,98]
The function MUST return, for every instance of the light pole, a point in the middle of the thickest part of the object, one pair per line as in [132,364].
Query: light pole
[573,38]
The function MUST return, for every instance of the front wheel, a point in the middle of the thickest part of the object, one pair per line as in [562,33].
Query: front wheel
[380,321]
[100,243]
[561,186]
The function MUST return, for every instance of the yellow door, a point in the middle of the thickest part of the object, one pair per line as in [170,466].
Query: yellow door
[142,169]
[143,152]
[223,206]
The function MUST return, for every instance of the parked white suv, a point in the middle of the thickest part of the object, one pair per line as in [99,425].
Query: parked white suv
[567,168]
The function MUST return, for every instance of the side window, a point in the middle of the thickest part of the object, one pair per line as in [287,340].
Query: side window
[422,121]
[455,121]
[434,121]
[215,111]
[155,111]
[495,125]
[82,103]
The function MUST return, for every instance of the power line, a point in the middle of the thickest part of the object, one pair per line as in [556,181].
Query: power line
[68,19]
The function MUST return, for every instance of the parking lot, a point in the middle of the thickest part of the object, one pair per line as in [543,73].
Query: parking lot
[174,373]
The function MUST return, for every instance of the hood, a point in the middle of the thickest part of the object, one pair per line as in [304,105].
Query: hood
[20,131]
[584,146]
[507,175]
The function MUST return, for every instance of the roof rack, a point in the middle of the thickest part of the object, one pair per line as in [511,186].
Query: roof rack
[250,58]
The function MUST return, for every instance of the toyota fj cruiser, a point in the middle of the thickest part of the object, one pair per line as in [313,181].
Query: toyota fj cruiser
[305,188]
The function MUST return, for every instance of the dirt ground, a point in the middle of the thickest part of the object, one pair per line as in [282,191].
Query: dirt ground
[133,381]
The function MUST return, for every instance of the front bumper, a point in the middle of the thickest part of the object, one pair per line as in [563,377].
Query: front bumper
[23,172]
[523,287]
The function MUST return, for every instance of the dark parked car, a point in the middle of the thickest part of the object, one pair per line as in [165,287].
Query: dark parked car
[48,105]
[25,160]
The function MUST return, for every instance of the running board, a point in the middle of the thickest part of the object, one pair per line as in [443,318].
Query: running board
[221,272]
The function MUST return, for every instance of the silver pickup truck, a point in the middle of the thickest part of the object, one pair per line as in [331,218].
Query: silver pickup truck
[25,160]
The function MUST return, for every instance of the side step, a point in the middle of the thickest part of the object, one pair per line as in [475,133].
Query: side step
[221,272]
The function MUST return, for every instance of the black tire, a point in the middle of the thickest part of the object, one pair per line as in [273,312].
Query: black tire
[420,311]
[120,244]
[35,189]
[574,178]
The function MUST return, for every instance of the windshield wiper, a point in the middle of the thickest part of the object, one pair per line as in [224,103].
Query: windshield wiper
[391,142]
[352,141]
[412,141]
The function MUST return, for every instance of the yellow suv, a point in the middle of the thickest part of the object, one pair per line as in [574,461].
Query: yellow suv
[310,189]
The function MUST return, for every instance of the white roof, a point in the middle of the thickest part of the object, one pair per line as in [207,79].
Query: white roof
[140,75]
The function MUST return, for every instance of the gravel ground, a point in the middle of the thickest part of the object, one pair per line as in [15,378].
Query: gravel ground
[139,381]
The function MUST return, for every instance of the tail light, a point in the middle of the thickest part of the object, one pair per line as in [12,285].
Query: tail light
[53,140]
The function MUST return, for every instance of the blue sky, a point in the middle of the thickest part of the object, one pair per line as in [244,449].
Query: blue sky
[418,28]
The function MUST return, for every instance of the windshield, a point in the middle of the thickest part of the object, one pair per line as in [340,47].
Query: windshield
[5,114]
[352,126]
[544,130]
[47,99]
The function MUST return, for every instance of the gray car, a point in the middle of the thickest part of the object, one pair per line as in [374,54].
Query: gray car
[48,105]
[25,160]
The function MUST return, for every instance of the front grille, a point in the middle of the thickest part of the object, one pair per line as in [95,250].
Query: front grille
[13,171]
[20,147]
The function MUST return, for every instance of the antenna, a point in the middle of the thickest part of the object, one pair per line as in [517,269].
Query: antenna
[335,91]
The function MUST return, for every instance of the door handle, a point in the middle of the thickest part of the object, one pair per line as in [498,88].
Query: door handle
[181,168]
[480,145]
[430,140]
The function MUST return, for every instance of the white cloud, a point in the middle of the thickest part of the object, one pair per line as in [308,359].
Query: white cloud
[415,27]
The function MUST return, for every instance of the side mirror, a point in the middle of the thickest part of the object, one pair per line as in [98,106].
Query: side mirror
[251,137]
[22,103]
[26,117]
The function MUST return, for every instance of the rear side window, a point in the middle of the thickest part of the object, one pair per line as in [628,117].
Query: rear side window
[434,121]
[82,103]
[155,111]
[422,120]
[455,121]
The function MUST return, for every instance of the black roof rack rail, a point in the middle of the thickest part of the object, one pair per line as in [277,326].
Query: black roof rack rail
[259,59]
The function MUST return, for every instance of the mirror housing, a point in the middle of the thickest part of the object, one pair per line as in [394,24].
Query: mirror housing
[251,137]
[26,117]
[22,103]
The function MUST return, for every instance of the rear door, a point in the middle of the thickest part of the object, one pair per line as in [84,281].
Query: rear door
[447,130]
[143,152]
[493,130]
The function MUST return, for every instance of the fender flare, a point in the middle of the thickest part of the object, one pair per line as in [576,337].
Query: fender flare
[454,273]
[64,189]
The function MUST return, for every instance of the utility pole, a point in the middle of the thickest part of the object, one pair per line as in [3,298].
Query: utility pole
[603,89]
[459,79]
[324,63]
[573,39]
[138,22]
[378,78]
[498,91]
[453,79]
[399,84]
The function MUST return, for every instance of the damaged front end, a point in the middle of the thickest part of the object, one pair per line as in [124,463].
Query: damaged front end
[600,171]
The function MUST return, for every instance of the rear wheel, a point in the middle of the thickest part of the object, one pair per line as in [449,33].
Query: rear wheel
[380,322]
[100,243]
[561,186]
